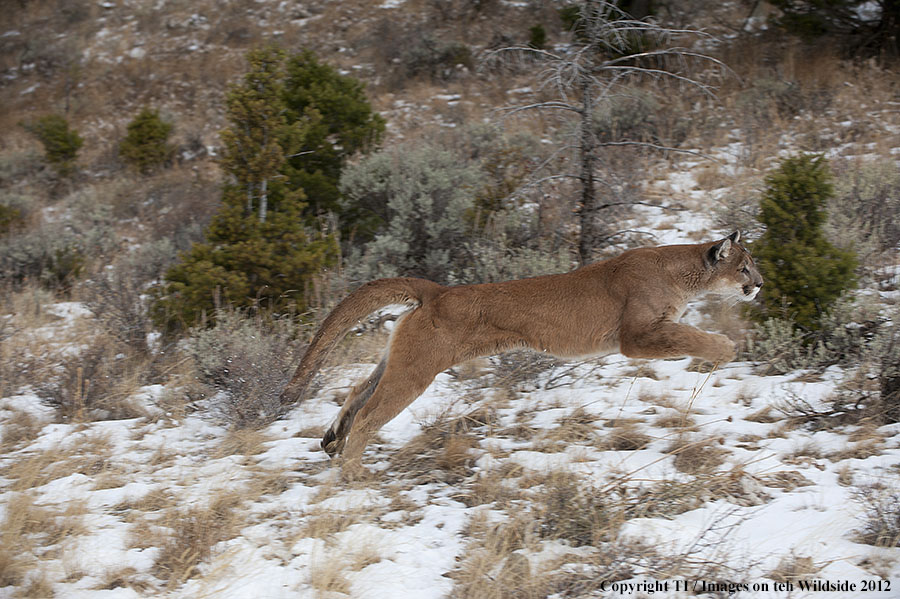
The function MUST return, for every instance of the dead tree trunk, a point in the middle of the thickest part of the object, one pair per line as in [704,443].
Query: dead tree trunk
[589,205]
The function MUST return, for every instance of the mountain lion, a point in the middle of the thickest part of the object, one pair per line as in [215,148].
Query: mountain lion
[628,304]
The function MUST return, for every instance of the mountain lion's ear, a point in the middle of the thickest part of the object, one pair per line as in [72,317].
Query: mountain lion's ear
[719,251]
[735,237]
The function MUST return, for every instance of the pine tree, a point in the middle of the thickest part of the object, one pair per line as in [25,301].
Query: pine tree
[146,146]
[804,272]
[259,248]
[340,123]
[261,137]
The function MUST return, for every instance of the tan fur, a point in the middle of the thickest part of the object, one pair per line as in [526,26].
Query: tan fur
[628,304]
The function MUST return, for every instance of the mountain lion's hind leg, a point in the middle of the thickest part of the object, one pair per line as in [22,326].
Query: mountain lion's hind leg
[333,441]
[676,340]
[411,366]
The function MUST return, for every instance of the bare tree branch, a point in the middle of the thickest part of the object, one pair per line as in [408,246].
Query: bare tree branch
[662,148]
[510,110]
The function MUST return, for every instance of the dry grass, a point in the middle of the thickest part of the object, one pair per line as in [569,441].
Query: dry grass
[90,456]
[793,568]
[442,451]
[624,436]
[194,533]
[666,499]
[881,520]
[241,441]
[27,306]
[493,569]
[434,456]
[324,524]
[677,420]
[268,483]
[642,370]
[20,522]
[765,415]
[29,531]
[19,429]
[560,508]
[845,475]
[663,400]
[579,427]
[859,450]
[97,383]
[697,456]
[329,568]
[500,487]
[38,469]
[786,479]
[126,577]
[567,509]
[327,575]
[710,177]
[157,500]
[517,370]
[31,339]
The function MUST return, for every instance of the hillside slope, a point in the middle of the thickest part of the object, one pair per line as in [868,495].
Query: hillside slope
[518,476]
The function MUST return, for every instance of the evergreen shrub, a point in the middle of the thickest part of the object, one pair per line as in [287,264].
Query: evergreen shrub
[146,145]
[61,144]
[537,37]
[339,122]
[804,273]
[13,212]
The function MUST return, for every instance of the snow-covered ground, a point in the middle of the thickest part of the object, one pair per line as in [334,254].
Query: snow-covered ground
[781,495]
[718,494]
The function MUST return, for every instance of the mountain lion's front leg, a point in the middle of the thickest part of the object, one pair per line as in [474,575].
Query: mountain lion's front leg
[675,340]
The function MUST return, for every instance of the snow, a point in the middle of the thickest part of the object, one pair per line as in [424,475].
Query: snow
[402,539]
[408,553]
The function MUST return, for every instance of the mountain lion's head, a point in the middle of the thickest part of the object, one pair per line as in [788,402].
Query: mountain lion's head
[734,274]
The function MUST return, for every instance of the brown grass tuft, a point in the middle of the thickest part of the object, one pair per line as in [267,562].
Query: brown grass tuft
[881,520]
[624,437]
[859,450]
[16,544]
[794,568]
[499,487]
[567,509]
[642,370]
[241,441]
[195,531]
[697,456]
[441,452]
[19,429]
[676,420]
[325,523]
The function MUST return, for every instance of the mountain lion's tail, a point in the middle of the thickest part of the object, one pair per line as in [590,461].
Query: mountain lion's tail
[362,302]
